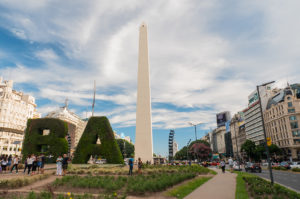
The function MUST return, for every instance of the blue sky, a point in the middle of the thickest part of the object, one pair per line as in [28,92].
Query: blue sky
[205,57]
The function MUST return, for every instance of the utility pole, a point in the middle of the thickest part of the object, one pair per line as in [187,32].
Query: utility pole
[264,131]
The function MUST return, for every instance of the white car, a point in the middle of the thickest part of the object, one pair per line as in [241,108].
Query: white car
[102,161]
[295,165]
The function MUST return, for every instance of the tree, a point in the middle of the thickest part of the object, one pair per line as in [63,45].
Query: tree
[129,148]
[200,151]
[181,154]
[249,148]
[275,150]
[199,141]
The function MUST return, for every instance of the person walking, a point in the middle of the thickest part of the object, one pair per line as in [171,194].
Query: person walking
[230,163]
[25,164]
[59,165]
[222,165]
[29,163]
[34,164]
[3,164]
[43,160]
[65,164]
[15,164]
[38,164]
[130,163]
[9,159]
[140,164]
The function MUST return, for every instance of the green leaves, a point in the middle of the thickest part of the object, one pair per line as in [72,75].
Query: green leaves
[98,127]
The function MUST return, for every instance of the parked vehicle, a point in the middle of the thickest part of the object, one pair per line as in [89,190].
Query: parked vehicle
[102,161]
[285,164]
[236,167]
[253,167]
[295,165]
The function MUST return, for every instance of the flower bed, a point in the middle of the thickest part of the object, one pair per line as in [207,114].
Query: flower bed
[154,179]
[20,182]
[260,188]
[296,169]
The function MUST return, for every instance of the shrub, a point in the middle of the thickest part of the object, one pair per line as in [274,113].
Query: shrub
[55,143]
[98,127]
[296,169]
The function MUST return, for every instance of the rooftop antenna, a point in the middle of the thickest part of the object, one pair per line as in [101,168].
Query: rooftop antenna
[66,103]
[93,106]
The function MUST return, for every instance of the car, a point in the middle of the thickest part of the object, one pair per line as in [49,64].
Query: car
[285,164]
[236,167]
[102,161]
[295,165]
[253,167]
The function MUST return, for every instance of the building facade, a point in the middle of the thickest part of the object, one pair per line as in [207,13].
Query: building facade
[15,109]
[217,141]
[253,117]
[282,118]
[76,125]
[238,136]
[175,148]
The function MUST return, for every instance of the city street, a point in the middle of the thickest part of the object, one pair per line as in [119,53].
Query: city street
[289,179]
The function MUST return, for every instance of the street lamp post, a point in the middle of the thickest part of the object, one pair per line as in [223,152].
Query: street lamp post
[195,125]
[264,130]
[235,119]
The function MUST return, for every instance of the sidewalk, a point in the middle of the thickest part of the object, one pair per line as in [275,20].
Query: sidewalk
[220,186]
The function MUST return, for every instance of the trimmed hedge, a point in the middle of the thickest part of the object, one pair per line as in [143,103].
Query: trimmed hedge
[55,143]
[98,127]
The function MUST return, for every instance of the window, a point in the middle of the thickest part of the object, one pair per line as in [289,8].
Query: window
[292,110]
[296,133]
[293,117]
[294,125]
[290,104]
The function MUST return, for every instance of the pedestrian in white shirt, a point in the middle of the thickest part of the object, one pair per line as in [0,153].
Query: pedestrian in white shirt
[15,164]
[29,163]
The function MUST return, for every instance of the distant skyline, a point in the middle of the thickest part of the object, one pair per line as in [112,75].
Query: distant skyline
[205,57]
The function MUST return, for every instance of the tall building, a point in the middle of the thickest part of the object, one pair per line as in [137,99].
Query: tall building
[76,125]
[228,141]
[253,118]
[218,140]
[143,134]
[238,134]
[282,118]
[15,109]
[175,148]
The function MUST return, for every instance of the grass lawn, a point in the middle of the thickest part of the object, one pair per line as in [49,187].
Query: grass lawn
[186,189]
[241,192]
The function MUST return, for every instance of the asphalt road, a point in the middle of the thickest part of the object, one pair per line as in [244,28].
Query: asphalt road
[285,178]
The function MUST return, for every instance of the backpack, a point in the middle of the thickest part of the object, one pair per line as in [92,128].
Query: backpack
[130,161]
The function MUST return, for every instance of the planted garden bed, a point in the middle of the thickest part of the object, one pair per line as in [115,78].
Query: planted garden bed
[251,186]
[154,179]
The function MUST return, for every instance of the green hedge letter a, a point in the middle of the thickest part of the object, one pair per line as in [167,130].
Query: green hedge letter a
[98,139]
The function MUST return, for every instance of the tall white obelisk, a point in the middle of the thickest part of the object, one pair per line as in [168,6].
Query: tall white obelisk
[143,134]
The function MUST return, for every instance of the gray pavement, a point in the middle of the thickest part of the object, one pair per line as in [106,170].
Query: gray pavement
[288,179]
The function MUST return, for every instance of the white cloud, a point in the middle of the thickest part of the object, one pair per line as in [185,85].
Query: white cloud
[194,63]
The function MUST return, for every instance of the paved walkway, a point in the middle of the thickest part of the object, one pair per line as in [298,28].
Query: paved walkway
[220,186]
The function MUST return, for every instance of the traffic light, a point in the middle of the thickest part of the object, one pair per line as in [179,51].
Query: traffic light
[269,141]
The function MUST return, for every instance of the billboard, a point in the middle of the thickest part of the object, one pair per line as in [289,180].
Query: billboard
[222,118]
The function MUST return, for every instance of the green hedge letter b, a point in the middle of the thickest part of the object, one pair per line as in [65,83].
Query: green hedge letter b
[46,135]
